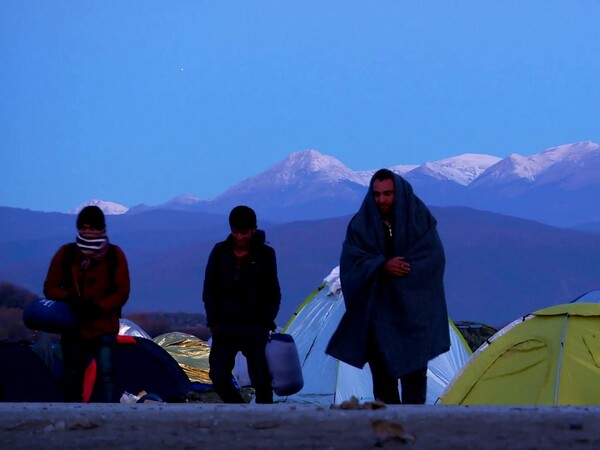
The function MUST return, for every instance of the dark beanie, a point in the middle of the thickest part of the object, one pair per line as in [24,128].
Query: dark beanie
[92,216]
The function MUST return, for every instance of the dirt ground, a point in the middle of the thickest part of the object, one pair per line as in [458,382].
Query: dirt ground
[219,426]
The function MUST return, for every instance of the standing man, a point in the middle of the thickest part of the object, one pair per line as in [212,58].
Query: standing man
[92,276]
[391,271]
[241,297]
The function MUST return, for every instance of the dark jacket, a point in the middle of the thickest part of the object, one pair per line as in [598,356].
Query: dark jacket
[408,315]
[250,296]
[92,286]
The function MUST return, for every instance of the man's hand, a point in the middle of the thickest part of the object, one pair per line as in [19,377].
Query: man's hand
[397,266]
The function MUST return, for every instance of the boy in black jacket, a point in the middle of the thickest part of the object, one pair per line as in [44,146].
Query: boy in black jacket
[241,297]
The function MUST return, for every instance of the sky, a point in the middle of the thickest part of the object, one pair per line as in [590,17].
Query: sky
[141,101]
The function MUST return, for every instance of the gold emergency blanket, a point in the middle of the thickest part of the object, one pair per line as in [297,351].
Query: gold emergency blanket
[190,352]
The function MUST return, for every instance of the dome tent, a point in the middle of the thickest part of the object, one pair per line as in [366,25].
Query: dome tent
[549,357]
[592,296]
[327,380]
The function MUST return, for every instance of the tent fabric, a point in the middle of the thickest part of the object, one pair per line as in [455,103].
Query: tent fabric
[328,380]
[549,357]
[130,328]
[592,296]
[190,352]
[24,377]
[143,365]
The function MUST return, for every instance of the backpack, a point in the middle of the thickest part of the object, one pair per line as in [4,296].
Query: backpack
[69,257]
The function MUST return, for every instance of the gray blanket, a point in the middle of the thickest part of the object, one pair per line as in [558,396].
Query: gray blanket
[408,314]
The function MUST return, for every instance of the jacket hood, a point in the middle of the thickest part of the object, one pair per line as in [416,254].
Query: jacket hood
[259,237]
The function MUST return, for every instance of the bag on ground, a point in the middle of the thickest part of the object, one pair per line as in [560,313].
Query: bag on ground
[284,364]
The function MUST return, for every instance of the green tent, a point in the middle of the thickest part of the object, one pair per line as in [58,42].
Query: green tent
[549,357]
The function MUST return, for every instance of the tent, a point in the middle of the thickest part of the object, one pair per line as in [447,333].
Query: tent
[189,351]
[549,357]
[592,296]
[24,377]
[143,365]
[130,328]
[327,380]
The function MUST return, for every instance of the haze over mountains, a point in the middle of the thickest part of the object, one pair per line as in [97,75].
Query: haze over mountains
[558,186]
[498,266]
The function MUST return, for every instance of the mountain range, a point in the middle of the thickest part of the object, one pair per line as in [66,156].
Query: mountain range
[520,233]
[558,186]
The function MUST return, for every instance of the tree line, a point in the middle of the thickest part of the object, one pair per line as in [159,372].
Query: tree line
[13,300]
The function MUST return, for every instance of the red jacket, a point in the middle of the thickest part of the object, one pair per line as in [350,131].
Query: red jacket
[91,285]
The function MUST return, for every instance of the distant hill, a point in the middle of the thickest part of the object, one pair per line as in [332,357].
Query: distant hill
[498,267]
[591,227]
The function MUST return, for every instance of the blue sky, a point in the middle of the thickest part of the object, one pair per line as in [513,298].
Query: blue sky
[140,101]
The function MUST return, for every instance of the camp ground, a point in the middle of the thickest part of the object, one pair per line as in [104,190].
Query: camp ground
[141,364]
[548,357]
[327,380]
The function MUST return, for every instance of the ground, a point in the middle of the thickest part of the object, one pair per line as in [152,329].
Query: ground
[280,426]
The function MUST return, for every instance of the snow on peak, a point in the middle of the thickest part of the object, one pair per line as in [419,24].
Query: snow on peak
[299,167]
[108,208]
[568,152]
[462,169]
[184,199]
[311,162]
[402,169]
[529,168]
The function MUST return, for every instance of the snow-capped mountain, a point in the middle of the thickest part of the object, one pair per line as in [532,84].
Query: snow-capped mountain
[311,167]
[559,185]
[108,208]
[400,170]
[184,199]
[183,202]
[559,162]
[462,169]
[305,185]
[555,186]
[299,168]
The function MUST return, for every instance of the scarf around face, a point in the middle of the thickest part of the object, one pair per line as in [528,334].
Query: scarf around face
[93,244]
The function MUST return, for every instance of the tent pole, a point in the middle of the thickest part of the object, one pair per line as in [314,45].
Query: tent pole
[560,357]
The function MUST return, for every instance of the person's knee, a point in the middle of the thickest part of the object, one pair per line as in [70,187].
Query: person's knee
[219,376]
